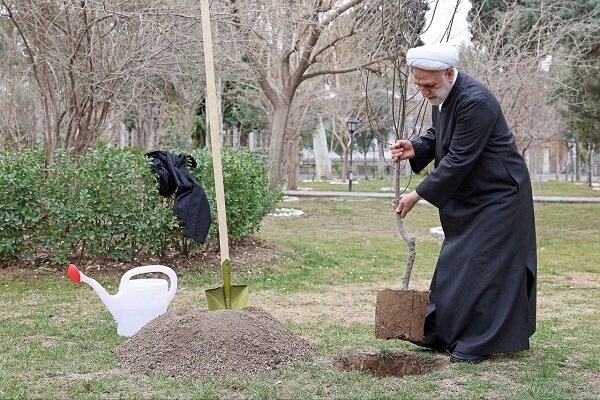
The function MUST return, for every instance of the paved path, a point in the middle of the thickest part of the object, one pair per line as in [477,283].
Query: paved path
[536,199]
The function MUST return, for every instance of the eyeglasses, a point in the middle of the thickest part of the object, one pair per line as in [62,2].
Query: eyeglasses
[428,86]
[434,82]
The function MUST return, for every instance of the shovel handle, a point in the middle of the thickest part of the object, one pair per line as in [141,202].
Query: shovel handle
[213,125]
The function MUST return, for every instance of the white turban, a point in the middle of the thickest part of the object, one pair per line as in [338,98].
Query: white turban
[433,57]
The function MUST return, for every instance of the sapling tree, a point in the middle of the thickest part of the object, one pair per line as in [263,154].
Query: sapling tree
[405,107]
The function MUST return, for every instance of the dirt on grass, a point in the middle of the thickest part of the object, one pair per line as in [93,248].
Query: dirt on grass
[192,342]
[344,305]
[196,343]
[200,343]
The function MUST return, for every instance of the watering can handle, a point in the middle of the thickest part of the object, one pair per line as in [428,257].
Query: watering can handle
[154,268]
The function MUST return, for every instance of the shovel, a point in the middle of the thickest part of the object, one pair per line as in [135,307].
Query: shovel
[226,296]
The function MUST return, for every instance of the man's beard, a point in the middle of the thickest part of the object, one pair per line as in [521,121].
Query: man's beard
[442,94]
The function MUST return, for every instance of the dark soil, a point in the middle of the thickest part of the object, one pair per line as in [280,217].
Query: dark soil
[200,343]
[400,314]
[396,362]
[247,254]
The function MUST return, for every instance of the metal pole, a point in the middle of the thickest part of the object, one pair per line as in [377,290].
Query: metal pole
[571,162]
[350,169]
[576,150]
[589,177]
[374,168]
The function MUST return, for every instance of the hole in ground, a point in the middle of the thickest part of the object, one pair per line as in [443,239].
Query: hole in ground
[393,362]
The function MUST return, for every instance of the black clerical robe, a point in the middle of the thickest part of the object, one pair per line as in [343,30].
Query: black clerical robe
[483,291]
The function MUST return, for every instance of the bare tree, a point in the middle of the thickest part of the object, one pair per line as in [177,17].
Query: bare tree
[20,114]
[288,43]
[93,60]
[525,67]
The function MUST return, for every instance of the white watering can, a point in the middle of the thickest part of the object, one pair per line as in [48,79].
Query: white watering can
[138,301]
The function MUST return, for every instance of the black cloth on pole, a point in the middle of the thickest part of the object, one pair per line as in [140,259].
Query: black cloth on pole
[191,203]
[483,291]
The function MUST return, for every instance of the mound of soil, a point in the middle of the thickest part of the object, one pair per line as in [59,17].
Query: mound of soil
[200,343]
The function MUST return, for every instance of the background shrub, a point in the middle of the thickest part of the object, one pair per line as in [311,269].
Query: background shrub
[248,198]
[20,176]
[105,204]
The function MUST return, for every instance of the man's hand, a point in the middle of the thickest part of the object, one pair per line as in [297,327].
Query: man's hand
[402,150]
[406,203]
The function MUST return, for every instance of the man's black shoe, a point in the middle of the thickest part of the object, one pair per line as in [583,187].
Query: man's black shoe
[458,357]
[431,345]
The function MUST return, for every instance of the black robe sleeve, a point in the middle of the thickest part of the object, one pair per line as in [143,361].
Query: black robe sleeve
[424,147]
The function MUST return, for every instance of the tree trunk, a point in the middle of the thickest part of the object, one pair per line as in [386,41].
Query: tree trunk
[345,161]
[589,166]
[380,161]
[577,161]
[235,142]
[294,165]
[38,121]
[218,87]
[558,147]
[277,143]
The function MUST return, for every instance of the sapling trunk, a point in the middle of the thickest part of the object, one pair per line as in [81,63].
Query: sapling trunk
[410,241]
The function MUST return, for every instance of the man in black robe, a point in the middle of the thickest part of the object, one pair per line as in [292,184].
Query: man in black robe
[483,290]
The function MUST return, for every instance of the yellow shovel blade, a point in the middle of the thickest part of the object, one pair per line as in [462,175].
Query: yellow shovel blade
[216,300]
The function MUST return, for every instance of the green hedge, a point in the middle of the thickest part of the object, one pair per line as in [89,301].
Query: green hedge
[20,200]
[105,204]
[247,197]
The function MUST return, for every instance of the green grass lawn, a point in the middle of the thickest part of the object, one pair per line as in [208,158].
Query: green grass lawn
[540,188]
[57,341]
